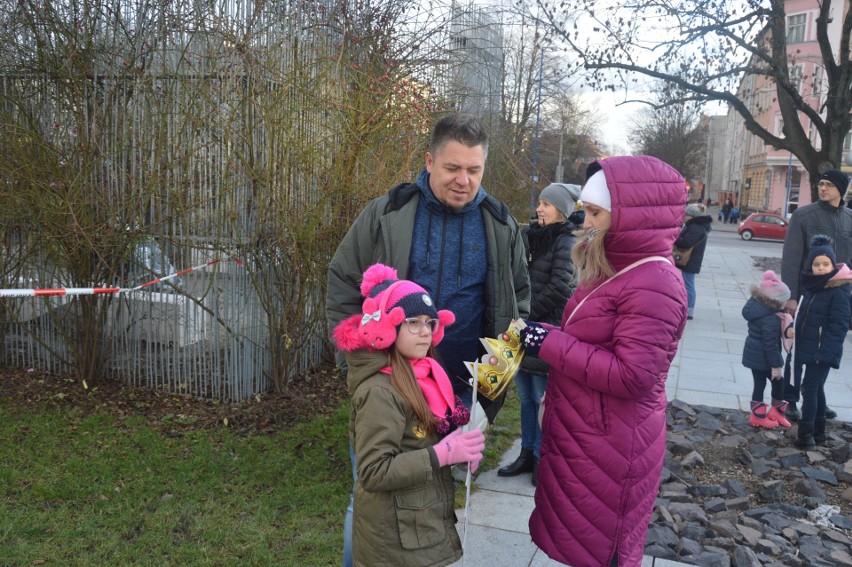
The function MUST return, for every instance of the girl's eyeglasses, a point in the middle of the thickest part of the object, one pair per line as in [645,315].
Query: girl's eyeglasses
[415,325]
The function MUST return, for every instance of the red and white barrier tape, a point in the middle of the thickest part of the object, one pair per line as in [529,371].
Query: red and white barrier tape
[102,290]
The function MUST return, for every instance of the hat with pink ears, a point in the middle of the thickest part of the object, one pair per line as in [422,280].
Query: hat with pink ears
[389,301]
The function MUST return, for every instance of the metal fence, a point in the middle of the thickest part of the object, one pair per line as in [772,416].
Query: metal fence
[187,136]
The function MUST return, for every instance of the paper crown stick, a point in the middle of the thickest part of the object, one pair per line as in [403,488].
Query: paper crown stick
[497,368]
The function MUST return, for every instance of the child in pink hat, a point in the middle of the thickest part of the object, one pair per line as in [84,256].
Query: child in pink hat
[404,426]
[768,324]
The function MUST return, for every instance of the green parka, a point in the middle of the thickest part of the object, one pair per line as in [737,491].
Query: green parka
[382,233]
[404,513]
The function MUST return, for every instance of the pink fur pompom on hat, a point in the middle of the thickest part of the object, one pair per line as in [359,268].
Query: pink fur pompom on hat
[388,302]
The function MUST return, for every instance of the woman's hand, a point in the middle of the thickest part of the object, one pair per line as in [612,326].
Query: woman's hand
[532,336]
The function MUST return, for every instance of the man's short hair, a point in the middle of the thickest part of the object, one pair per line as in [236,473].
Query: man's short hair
[460,127]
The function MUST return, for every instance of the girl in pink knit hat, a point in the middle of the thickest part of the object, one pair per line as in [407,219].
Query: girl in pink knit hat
[404,426]
[768,326]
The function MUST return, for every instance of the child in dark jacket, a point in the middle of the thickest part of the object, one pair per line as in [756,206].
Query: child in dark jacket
[822,321]
[767,324]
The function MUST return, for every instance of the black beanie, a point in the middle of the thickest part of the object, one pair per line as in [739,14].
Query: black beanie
[838,178]
[821,245]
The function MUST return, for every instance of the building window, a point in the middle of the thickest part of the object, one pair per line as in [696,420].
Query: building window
[796,28]
[796,73]
[817,85]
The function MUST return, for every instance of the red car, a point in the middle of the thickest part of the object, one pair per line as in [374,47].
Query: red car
[763,225]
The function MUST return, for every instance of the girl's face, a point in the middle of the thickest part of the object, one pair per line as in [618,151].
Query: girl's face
[547,213]
[415,336]
[822,265]
[596,217]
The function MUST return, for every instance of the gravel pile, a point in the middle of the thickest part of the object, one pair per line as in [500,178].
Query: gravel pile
[736,495]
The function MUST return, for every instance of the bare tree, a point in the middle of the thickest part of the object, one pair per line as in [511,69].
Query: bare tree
[706,48]
[674,133]
[569,138]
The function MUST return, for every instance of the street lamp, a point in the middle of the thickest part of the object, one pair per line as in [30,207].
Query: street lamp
[789,183]
[535,140]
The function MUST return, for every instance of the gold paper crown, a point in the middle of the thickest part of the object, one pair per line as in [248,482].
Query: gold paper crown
[497,368]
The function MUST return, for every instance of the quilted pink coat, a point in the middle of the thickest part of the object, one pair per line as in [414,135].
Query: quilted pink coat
[604,423]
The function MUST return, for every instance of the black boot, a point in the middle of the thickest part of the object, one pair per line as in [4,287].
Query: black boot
[523,464]
[792,413]
[819,431]
[534,479]
[805,440]
[830,413]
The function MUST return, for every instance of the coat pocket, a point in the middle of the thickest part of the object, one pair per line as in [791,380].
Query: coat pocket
[420,516]
[591,405]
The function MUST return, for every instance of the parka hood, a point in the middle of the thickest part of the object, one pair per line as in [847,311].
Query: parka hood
[705,220]
[772,305]
[648,198]
[842,277]
[362,365]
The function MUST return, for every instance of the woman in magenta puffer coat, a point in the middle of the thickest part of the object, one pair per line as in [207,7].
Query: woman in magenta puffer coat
[604,424]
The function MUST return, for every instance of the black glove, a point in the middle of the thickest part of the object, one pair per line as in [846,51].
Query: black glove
[532,335]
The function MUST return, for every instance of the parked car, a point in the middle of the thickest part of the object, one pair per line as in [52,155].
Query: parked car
[763,225]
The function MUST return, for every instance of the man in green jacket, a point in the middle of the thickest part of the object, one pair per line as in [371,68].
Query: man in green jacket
[448,235]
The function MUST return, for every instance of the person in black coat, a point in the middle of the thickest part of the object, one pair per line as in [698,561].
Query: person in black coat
[549,241]
[822,321]
[693,235]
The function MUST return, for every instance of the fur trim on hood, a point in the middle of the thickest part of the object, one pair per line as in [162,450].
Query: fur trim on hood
[842,277]
[764,299]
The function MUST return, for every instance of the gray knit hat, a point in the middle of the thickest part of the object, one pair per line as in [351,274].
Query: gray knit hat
[694,210]
[563,196]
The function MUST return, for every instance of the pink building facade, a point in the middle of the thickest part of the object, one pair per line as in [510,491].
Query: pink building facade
[761,177]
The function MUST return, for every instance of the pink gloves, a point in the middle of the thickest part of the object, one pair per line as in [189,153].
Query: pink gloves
[461,447]
[776,374]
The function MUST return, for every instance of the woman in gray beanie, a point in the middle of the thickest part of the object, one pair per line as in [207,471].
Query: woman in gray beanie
[549,240]
[696,229]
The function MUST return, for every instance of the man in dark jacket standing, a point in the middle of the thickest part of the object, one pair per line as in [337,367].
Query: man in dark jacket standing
[448,235]
[826,216]
[696,228]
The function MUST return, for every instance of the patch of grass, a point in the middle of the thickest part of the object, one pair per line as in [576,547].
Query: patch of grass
[97,489]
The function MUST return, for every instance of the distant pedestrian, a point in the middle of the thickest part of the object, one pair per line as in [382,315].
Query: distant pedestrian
[696,229]
[768,323]
[404,426]
[735,215]
[822,322]
[726,209]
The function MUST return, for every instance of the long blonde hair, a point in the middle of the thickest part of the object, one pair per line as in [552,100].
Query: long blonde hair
[589,256]
[402,378]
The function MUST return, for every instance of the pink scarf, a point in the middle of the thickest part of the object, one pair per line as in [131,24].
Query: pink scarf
[786,321]
[438,391]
